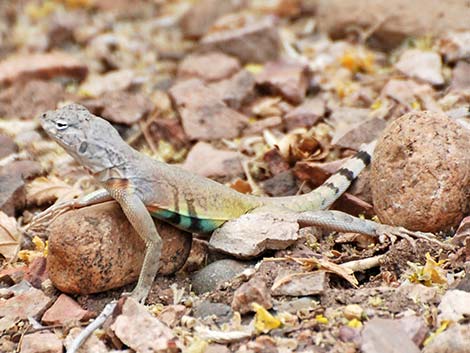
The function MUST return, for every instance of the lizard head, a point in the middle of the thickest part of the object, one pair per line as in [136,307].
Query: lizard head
[92,141]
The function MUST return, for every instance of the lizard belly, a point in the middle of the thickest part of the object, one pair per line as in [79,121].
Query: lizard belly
[188,223]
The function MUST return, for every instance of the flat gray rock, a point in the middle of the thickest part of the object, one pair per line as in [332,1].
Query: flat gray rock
[300,284]
[216,273]
[253,233]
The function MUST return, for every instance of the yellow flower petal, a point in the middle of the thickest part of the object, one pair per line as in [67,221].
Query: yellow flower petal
[264,321]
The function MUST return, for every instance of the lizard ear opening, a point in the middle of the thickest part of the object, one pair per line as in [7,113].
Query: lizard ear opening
[83,147]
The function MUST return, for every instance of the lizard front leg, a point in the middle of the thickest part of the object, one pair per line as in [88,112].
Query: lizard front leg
[138,215]
[342,222]
[47,216]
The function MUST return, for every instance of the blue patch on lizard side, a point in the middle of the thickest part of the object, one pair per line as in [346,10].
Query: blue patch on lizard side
[188,223]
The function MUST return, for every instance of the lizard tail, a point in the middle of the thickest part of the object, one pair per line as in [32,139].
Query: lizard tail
[326,194]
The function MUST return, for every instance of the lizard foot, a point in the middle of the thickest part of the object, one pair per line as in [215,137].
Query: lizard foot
[46,217]
[138,295]
[392,233]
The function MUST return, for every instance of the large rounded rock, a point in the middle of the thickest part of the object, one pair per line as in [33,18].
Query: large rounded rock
[420,172]
[95,248]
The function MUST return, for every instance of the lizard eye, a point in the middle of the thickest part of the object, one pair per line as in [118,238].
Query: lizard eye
[61,125]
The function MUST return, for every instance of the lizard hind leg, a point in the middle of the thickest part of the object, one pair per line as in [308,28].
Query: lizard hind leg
[343,222]
[138,215]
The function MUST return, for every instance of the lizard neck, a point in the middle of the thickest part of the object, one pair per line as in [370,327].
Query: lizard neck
[121,166]
[109,173]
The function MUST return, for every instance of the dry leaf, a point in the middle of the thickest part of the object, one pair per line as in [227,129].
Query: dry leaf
[10,237]
[313,263]
[44,190]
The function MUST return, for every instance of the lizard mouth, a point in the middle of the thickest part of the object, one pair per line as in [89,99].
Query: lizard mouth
[46,124]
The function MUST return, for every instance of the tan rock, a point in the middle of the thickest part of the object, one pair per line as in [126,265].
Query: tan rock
[29,99]
[415,327]
[253,291]
[397,18]
[62,25]
[41,342]
[408,92]
[257,127]
[282,184]
[360,133]
[95,248]
[64,310]
[461,76]
[289,79]
[31,303]
[142,332]
[222,163]
[96,85]
[172,314]
[7,146]
[455,45]
[254,42]
[41,66]
[236,89]
[169,130]
[306,114]
[120,107]
[423,65]
[420,172]
[275,162]
[346,118]
[204,115]
[208,66]
[36,272]
[12,275]
[462,234]
[12,182]
[202,14]
[12,191]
